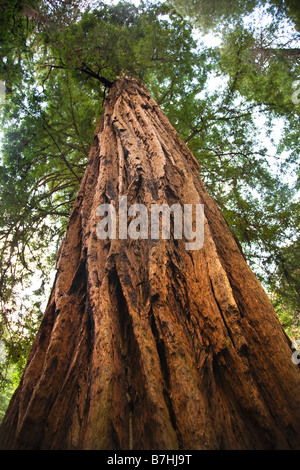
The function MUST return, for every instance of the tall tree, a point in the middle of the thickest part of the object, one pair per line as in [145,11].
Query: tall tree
[62,71]
[145,344]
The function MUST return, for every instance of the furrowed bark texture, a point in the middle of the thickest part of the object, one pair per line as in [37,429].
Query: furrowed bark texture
[144,344]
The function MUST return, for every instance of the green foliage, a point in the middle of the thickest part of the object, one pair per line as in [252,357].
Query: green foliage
[11,383]
[113,42]
[290,8]
[286,286]
[216,14]
[208,15]
[256,189]
[263,69]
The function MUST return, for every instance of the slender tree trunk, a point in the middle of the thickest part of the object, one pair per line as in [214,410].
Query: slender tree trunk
[145,344]
[268,52]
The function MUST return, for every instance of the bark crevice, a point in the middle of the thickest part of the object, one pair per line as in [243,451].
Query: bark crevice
[164,366]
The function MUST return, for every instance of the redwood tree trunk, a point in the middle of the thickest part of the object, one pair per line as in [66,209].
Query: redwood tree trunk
[144,344]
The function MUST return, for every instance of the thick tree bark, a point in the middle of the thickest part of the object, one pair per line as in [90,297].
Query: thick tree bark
[144,344]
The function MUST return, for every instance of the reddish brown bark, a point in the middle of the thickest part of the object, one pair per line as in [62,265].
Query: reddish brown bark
[145,345]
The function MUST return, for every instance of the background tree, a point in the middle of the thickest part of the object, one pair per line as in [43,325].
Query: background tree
[259,53]
[265,71]
[208,15]
[214,15]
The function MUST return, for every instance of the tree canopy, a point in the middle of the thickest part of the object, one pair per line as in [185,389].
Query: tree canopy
[57,61]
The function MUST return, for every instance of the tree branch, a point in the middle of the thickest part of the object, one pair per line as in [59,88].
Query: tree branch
[34,15]
[84,68]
